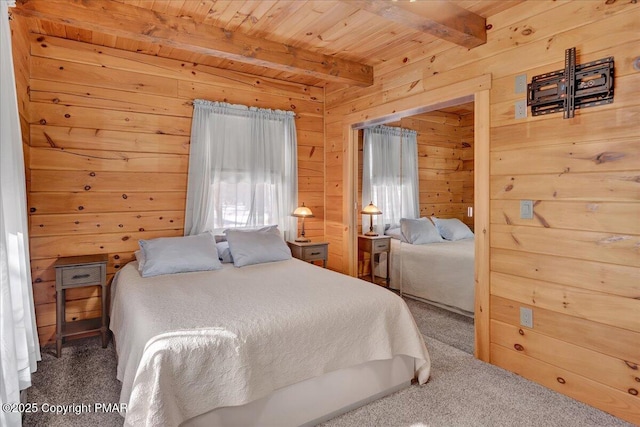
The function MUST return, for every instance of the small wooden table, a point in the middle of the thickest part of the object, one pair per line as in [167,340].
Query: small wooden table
[310,251]
[374,246]
[76,272]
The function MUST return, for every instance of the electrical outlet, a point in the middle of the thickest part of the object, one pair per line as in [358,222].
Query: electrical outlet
[526,317]
[521,83]
[521,109]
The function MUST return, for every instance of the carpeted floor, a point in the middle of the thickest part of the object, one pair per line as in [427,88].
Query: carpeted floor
[462,391]
[443,325]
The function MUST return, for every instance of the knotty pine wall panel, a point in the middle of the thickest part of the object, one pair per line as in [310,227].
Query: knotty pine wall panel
[22,70]
[108,151]
[445,147]
[576,264]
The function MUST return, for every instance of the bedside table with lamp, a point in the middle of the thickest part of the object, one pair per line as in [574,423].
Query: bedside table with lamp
[373,244]
[302,247]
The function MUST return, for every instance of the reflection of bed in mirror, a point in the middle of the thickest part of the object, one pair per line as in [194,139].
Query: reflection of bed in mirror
[440,273]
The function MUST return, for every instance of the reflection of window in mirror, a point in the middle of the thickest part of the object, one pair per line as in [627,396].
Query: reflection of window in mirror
[390,174]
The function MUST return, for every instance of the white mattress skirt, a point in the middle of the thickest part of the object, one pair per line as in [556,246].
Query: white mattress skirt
[317,399]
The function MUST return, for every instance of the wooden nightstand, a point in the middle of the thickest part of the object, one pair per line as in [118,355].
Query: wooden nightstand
[310,251]
[76,272]
[374,246]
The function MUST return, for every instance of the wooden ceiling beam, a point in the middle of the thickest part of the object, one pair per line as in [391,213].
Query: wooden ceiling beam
[439,18]
[145,25]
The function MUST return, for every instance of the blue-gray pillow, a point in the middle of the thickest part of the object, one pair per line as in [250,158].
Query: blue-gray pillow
[257,246]
[394,233]
[419,231]
[167,255]
[452,228]
[224,253]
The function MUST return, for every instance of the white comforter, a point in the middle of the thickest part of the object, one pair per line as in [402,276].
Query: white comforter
[189,343]
[439,272]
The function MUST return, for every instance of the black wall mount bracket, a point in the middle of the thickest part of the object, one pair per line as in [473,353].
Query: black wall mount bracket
[575,87]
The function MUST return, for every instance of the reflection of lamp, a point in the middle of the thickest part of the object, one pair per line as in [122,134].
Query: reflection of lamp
[303,212]
[371,210]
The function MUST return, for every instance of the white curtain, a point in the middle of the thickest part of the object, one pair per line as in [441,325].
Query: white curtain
[19,348]
[390,175]
[243,168]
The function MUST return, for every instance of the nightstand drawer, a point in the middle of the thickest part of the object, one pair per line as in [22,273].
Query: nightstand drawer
[81,275]
[313,253]
[381,245]
[310,251]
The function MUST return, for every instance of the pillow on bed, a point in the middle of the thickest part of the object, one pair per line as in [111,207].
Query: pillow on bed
[452,228]
[224,253]
[394,233]
[257,246]
[140,258]
[167,255]
[419,231]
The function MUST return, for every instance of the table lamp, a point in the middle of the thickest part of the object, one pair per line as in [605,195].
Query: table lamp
[371,210]
[303,212]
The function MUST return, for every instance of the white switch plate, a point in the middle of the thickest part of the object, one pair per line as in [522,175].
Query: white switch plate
[526,209]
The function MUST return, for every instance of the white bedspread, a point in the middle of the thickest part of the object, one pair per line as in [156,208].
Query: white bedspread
[439,272]
[189,343]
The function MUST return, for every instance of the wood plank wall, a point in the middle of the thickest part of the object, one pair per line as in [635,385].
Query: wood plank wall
[445,163]
[576,264]
[21,64]
[108,156]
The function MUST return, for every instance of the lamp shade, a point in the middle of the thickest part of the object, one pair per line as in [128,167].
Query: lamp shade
[371,209]
[303,212]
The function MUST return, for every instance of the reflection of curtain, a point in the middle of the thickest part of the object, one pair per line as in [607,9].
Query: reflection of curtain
[19,348]
[390,174]
[242,168]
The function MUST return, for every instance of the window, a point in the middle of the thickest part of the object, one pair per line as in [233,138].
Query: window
[390,174]
[242,168]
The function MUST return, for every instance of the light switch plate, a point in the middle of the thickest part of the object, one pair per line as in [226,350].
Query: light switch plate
[526,209]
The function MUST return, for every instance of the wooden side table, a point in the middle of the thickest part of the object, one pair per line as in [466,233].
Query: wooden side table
[76,272]
[310,251]
[374,246]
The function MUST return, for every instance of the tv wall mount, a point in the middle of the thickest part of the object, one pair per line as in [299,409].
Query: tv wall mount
[577,86]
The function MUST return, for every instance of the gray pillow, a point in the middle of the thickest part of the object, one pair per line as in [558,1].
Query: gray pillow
[224,253]
[394,233]
[452,228]
[419,231]
[257,246]
[167,255]
[140,258]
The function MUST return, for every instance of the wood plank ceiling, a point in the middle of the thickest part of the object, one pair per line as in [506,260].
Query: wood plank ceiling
[306,41]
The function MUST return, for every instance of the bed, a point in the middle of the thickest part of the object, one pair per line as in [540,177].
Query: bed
[440,273]
[433,259]
[278,343]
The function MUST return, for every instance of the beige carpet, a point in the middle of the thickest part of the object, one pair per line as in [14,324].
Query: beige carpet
[461,392]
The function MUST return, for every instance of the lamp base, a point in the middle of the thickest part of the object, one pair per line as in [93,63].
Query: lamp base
[302,240]
[371,233]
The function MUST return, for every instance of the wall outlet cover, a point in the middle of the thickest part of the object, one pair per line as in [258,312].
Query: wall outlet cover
[526,317]
[521,109]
